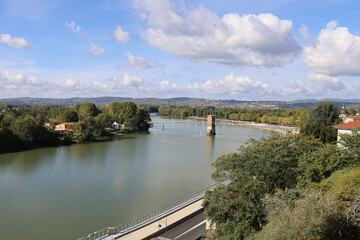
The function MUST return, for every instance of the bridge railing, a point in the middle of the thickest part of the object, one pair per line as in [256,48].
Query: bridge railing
[148,218]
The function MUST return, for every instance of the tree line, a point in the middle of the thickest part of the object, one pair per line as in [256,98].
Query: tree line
[23,127]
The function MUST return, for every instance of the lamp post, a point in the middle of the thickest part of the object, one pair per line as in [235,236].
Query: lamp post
[159,226]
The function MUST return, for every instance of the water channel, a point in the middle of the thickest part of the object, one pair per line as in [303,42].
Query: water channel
[68,192]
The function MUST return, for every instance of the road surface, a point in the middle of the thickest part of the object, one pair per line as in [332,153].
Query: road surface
[190,229]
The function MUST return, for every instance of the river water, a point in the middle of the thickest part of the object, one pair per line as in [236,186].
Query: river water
[68,192]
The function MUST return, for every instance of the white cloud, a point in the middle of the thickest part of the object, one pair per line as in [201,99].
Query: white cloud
[71,82]
[126,80]
[325,82]
[9,80]
[295,88]
[201,35]
[232,85]
[336,52]
[305,35]
[97,50]
[75,28]
[139,63]
[121,35]
[15,42]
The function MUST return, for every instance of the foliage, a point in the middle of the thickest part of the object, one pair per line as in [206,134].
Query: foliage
[90,129]
[68,116]
[8,141]
[122,111]
[32,134]
[311,217]
[275,116]
[346,186]
[261,167]
[85,110]
[321,163]
[351,142]
[320,122]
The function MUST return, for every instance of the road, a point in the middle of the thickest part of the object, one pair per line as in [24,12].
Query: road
[190,229]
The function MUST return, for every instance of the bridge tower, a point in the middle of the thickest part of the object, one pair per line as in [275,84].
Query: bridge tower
[210,130]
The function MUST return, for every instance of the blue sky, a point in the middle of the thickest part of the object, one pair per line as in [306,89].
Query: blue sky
[244,50]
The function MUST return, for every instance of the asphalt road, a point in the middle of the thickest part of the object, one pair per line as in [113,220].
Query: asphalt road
[190,229]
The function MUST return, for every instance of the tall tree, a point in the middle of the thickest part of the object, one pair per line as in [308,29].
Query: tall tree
[122,111]
[320,121]
[86,110]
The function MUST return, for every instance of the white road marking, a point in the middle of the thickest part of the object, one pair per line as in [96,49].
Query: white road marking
[190,229]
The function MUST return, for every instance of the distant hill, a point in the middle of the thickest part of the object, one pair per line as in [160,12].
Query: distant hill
[182,101]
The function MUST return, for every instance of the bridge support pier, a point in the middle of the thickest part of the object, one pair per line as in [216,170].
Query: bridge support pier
[210,130]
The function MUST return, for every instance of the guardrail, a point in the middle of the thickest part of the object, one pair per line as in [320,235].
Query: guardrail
[140,222]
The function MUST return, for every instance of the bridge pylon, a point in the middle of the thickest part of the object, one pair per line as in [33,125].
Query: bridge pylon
[210,130]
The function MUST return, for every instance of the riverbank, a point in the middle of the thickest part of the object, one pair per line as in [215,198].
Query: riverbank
[266,126]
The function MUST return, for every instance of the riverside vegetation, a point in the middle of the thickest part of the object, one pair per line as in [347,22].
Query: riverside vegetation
[23,128]
[289,187]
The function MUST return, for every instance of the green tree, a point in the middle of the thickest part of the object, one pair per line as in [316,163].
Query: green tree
[9,141]
[86,110]
[68,116]
[321,163]
[320,122]
[351,143]
[32,134]
[261,167]
[122,111]
[90,129]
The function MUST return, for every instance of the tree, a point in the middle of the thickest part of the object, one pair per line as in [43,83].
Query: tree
[32,134]
[9,141]
[122,111]
[351,143]
[321,163]
[261,167]
[68,116]
[90,129]
[86,110]
[320,121]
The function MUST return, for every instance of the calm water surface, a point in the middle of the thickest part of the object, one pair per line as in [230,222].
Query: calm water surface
[68,192]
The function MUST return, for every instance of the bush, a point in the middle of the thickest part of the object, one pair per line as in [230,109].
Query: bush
[313,217]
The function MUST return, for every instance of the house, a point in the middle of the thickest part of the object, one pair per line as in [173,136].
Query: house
[351,118]
[115,125]
[50,121]
[64,127]
[345,117]
[345,128]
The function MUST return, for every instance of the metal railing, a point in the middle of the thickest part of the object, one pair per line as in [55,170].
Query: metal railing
[148,218]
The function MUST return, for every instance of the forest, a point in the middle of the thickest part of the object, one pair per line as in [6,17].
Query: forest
[34,126]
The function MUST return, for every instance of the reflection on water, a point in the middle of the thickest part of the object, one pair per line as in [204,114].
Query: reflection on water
[67,192]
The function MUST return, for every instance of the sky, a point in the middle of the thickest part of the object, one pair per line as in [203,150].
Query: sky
[214,49]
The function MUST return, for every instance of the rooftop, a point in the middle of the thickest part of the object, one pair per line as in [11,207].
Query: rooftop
[349,125]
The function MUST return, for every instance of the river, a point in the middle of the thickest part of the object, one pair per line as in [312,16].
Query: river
[68,192]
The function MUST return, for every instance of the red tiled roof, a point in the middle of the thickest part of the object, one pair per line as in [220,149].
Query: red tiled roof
[354,124]
[355,117]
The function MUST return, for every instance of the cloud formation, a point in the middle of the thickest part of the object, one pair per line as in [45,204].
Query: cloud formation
[9,80]
[94,49]
[201,35]
[75,28]
[325,82]
[139,63]
[121,35]
[15,42]
[336,52]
